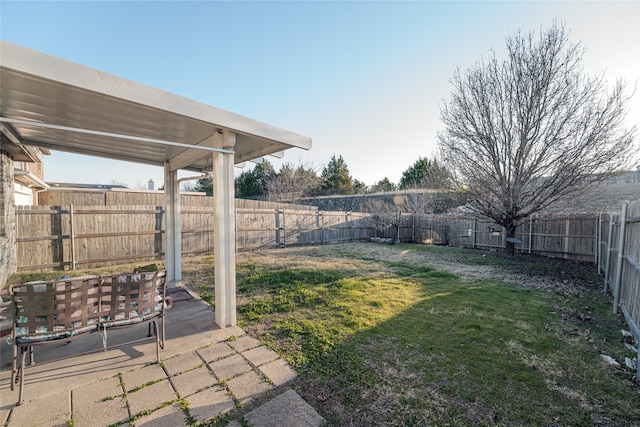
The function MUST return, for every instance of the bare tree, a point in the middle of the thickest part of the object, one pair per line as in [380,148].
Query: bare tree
[292,183]
[386,213]
[532,129]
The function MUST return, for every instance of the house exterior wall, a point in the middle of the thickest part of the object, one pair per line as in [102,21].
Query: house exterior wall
[36,169]
[8,261]
[23,195]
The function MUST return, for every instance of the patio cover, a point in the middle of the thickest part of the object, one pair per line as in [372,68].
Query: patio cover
[51,103]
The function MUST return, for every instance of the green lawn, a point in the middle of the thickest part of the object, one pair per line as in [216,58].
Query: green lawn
[379,337]
[421,335]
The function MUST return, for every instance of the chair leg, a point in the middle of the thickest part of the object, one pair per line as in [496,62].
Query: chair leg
[14,366]
[155,330]
[23,357]
[162,337]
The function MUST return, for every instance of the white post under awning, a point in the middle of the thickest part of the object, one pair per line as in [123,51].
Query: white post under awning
[224,230]
[173,257]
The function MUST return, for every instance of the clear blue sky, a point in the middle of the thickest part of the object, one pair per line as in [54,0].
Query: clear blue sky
[364,80]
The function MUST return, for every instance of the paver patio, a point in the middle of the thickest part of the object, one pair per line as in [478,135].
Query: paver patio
[205,372]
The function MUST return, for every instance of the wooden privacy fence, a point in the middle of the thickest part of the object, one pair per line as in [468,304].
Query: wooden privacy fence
[68,237]
[620,261]
[54,237]
[571,237]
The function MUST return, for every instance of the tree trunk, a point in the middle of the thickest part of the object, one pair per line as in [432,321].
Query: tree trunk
[510,241]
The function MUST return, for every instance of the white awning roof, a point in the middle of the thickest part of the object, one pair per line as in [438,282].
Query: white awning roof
[52,103]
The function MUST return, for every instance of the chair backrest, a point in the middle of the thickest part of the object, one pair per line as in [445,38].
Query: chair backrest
[56,308]
[132,297]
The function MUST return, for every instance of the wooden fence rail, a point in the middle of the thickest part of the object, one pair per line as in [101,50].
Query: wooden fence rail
[571,237]
[67,237]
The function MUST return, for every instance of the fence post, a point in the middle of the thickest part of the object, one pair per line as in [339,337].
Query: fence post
[284,229]
[157,240]
[618,282]
[318,225]
[413,227]
[398,231]
[530,235]
[473,233]
[598,240]
[277,212]
[565,243]
[351,226]
[73,238]
[608,261]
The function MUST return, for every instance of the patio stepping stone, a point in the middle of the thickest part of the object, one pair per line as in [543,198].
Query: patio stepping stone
[192,381]
[99,403]
[150,397]
[104,413]
[243,343]
[182,363]
[278,371]
[142,376]
[49,411]
[215,352]
[285,410]
[169,416]
[230,367]
[209,403]
[248,385]
[260,355]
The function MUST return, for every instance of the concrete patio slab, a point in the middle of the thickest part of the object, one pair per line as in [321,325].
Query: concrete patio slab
[215,352]
[247,386]
[278,371]
[108,388]
[99,404]
[169,416]
[260,355]
[285,410]
[53,410]
[210,403]
[151,397]
[230,367]
[190,382]
[142,376]
[102,413]
[184,363]
[244,343]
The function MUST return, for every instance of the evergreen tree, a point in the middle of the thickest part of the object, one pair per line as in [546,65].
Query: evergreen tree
[425,173]
[253,184]
[382,186]
[204,185]
[335,177]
